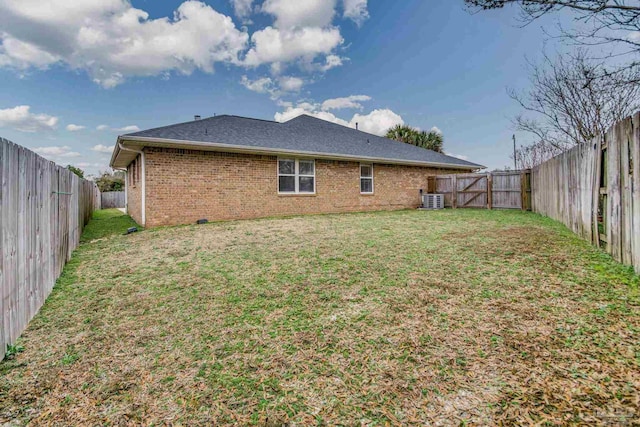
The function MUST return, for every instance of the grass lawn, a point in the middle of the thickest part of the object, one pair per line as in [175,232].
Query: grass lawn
[449,317]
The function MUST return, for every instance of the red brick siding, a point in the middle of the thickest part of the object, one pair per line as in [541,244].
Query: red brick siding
[185,185]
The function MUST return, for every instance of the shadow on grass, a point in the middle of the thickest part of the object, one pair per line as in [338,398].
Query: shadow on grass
[107,222]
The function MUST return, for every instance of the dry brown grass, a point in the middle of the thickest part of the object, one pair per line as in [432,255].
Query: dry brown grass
[442,318]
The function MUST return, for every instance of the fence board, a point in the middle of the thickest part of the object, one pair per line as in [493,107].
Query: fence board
[626,207]
[21,239]
[613,192]
[635,214]
[568,188]
[3,209]
[39,229]
[9,243]
[112,199]
[562,188]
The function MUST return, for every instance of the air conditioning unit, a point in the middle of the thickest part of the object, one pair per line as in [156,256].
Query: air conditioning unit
[433,201]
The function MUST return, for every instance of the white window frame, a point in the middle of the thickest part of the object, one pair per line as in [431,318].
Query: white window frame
[366,177]
[297,176]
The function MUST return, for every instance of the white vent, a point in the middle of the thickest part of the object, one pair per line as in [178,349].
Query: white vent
[433,201]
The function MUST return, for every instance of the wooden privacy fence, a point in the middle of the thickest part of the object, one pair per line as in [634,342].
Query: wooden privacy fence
[493,190]
[43,208]
[113,199]
[594,189]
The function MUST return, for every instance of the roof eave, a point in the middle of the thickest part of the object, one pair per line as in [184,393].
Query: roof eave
[116,151]
[230,148]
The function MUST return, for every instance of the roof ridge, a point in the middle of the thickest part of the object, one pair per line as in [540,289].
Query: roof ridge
[368,134]
[250,118]
[201,120]
[174,124]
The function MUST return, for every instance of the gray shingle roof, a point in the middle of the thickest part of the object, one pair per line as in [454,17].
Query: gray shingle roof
[303,134]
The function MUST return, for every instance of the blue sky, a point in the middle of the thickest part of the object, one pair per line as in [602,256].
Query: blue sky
[74,75]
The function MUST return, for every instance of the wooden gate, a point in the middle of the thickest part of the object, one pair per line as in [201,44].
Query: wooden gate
[471,191]
[499,190]
[509,190]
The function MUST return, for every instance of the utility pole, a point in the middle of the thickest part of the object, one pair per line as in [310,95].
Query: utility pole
[515,163]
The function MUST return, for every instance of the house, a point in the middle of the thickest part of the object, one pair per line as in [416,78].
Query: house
[229,167]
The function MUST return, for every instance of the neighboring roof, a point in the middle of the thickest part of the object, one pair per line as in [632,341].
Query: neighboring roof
[304,135]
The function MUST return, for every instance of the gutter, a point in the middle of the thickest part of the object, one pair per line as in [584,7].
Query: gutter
[214,146]
[144,180]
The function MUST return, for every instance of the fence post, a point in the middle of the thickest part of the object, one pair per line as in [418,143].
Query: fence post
[489,191]
[595,194]
[454,192]
[523,191]
[431,184]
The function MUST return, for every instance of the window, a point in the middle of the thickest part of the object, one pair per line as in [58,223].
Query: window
[132,175]
[296,176]
[366,178]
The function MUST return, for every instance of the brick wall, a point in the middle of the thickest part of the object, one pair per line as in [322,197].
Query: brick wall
[186,185]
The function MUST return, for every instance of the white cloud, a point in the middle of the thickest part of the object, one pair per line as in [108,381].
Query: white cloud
[356,10]
[331,61]
[22,119]
[125,129]
[84,165]
[376,122]
[103,148]
[22,55]
[275,45]
[57,152]
[458,156]
[302,33]
[74,128]
[130,128]
[300,13]
[112,40]
[290,83]
[293,112]
[353,101]
[262,85]
[242,8]
[275,88]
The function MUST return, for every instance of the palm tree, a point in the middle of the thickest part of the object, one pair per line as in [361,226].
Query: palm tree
[402,133]
[431,140]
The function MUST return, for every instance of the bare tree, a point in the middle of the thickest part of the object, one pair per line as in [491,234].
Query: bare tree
[532,155]
[574,98]
[601,22]
[571,100]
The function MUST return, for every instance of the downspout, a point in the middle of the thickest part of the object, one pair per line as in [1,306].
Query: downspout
[144,182]
[126,195]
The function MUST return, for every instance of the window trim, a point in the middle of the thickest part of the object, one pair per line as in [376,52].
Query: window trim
[366,177]
[296,175]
